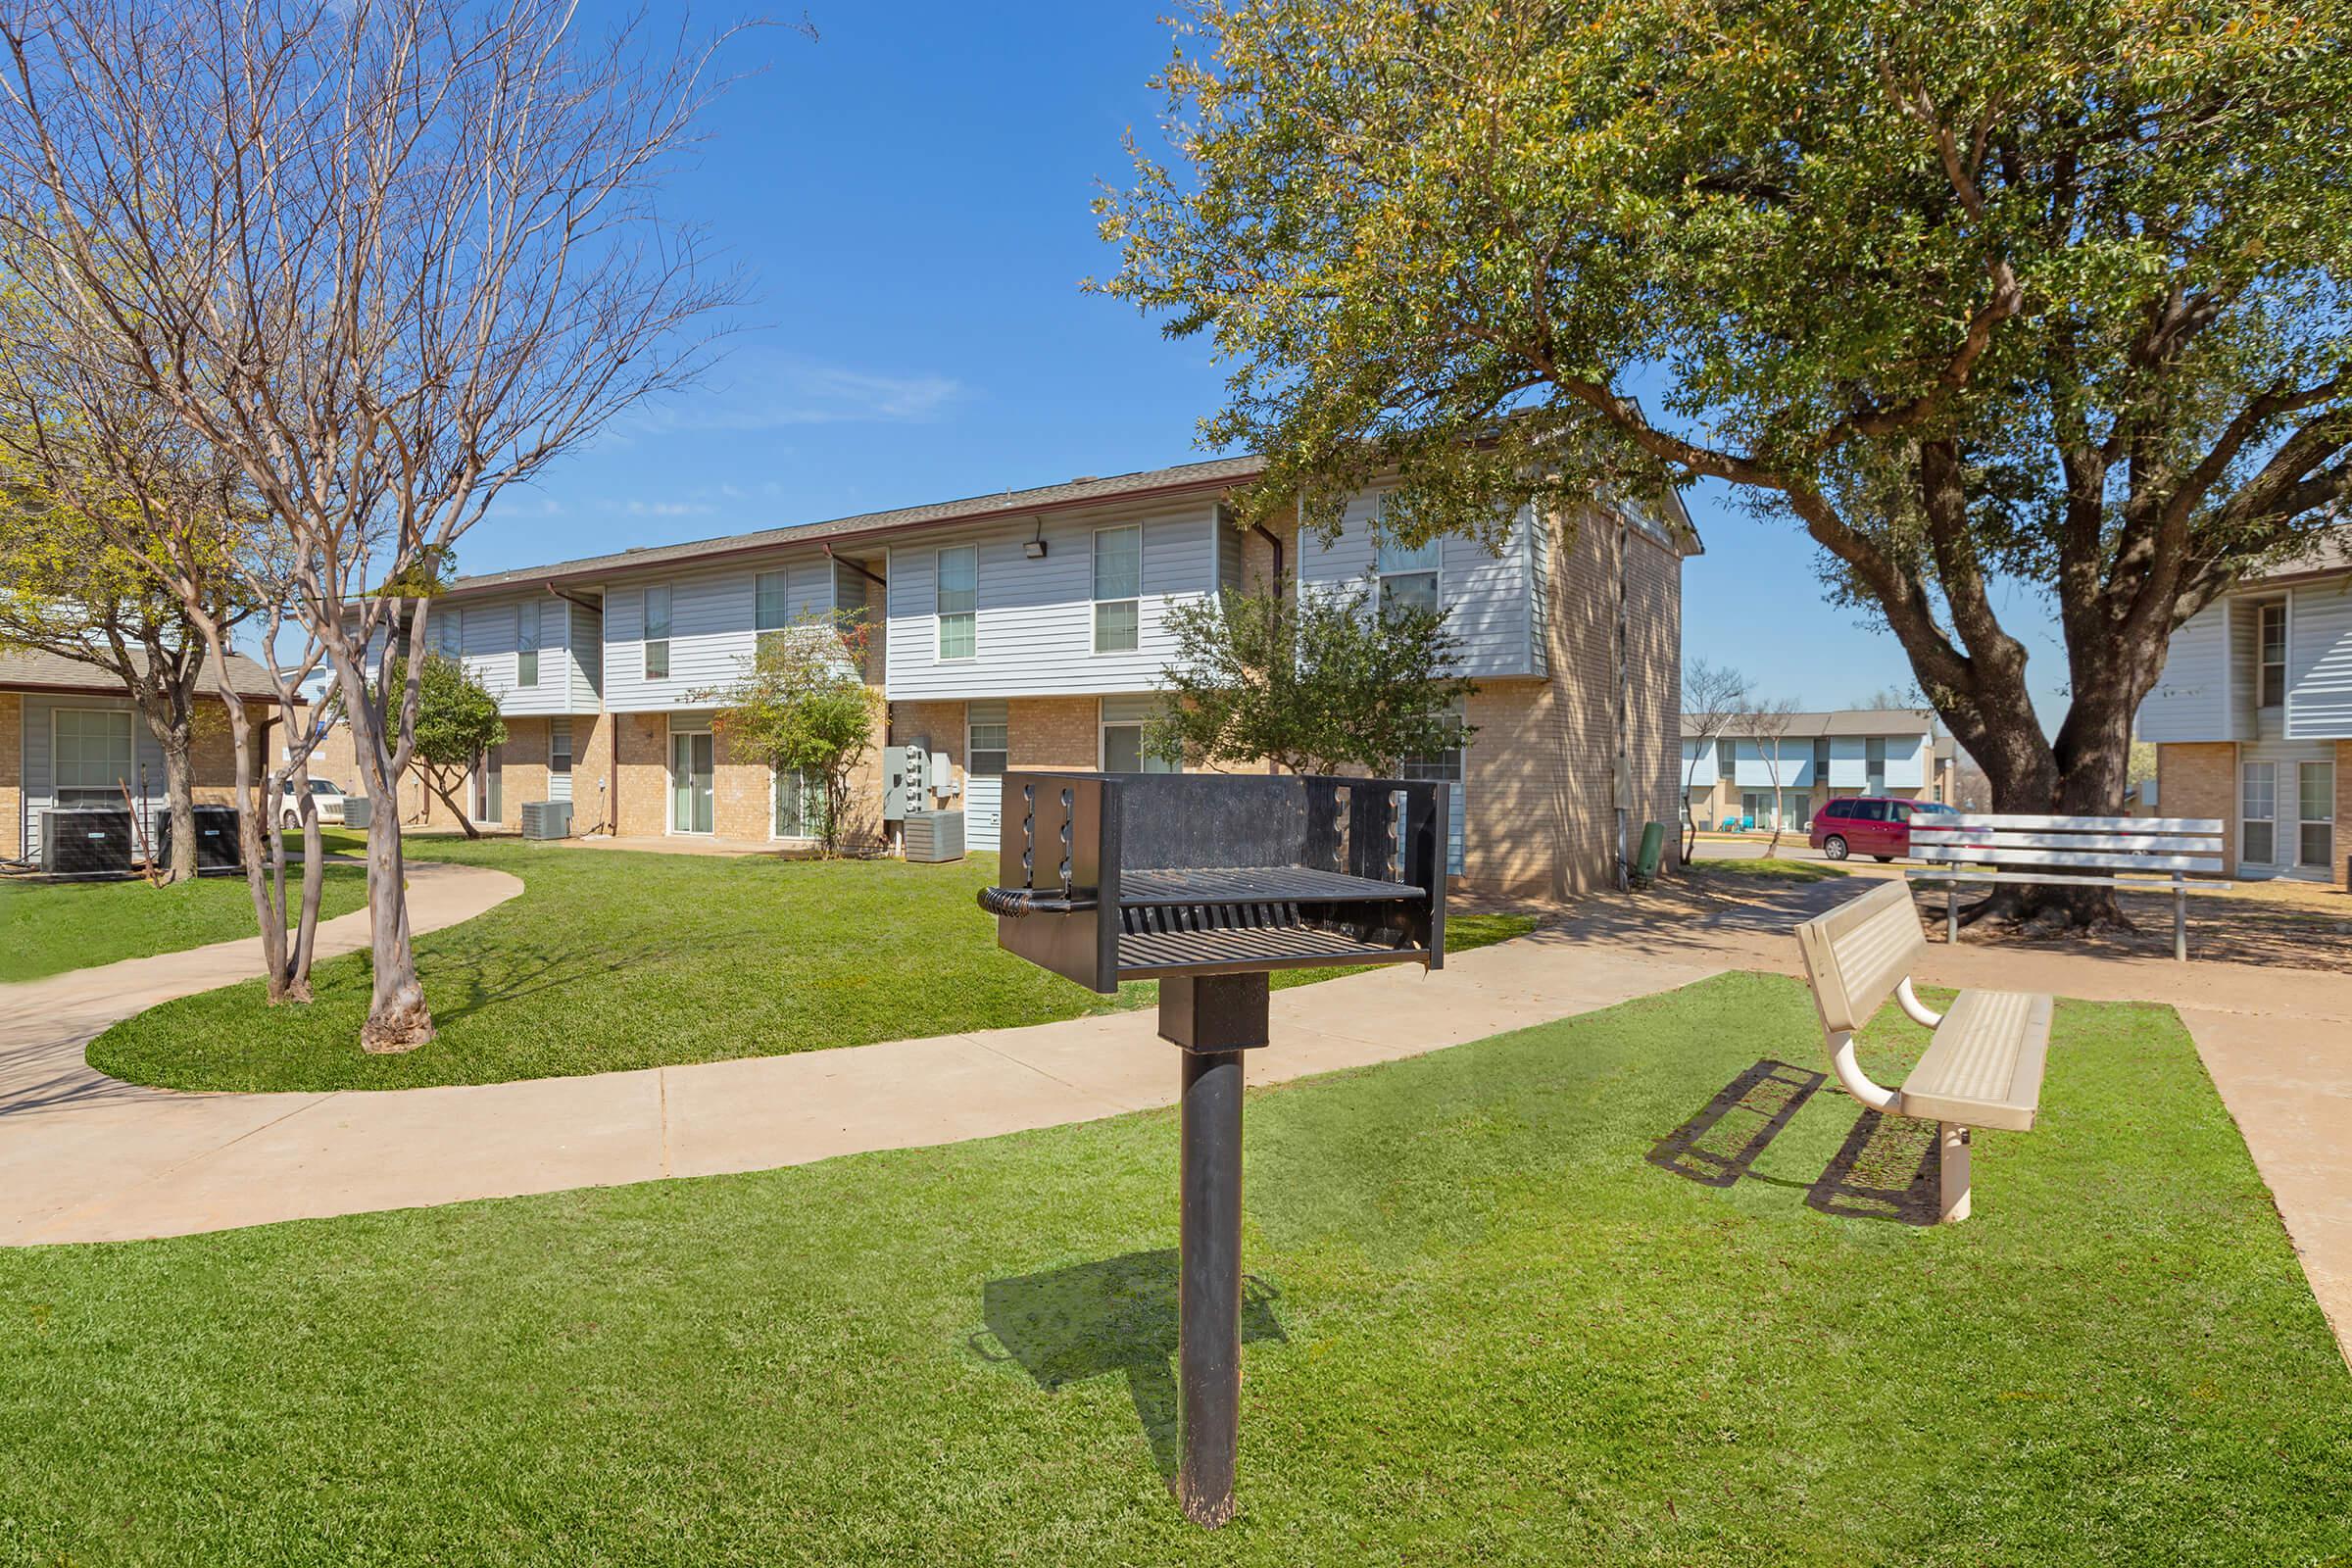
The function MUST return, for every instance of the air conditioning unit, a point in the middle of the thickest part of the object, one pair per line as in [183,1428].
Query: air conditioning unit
[356,809]
[217,848]
[86,841]
[935,835]
[547,819]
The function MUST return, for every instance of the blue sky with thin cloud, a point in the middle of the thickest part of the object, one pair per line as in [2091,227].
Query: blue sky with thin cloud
[908,197]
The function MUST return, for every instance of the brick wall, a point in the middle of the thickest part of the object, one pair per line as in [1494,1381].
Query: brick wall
[591,774]
[2200,779]
[641,794]
[522,769]
[2343,811]
[12,774]
[1054,732]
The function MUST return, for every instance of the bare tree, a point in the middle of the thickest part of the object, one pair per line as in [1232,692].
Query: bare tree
[387,258]
[1714,695]
[1767,724]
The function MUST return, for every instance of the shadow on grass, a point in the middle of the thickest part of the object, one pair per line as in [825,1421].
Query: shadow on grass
[1888,1167]
[1118,1315]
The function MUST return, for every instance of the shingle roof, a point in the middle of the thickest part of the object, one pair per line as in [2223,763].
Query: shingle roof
[48,671]
[2328,551]
[1217,473]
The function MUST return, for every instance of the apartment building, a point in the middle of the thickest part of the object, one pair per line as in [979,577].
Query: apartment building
[1780,781]
[68,735]
[1028,630]
[2252,718]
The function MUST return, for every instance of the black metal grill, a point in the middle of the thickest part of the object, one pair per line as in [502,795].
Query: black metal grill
[1133,876]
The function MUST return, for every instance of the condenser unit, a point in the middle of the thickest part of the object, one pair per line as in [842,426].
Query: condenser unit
[216,847]
[547,819]
[355,812]
[935,835]
[86,841]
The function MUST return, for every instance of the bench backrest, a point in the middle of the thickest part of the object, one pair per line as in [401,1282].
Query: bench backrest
[1858,952]
[2186,846]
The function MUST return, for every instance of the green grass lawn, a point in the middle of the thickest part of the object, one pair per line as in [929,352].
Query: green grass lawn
[1485,1328]
[48,928]
[1787,872]
[614,959]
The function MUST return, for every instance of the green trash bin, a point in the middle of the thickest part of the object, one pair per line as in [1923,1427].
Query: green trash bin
[1653,849]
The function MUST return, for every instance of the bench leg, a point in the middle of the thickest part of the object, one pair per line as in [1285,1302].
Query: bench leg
[2179,926]
[1951,1150]
[1952,914]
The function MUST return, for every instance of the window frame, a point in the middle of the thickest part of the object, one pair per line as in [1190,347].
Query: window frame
[765,636]
[526,643]
[1382,574]
[109,792]
[2269,689]
[969,617]
[1134,602]
[1144,759]
[804,781]
[972,750]
[559,727]
[449,632]
[647,641]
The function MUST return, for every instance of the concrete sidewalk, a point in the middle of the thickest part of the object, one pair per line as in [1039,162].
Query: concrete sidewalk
[85,1159]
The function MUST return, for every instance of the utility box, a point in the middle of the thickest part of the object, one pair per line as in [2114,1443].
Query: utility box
[906,779]
[547,819]
[935,836]
[356,810]
[86,841]
[216,849]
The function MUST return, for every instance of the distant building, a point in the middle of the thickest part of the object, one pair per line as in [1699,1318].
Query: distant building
[1851,750]
[2252,718]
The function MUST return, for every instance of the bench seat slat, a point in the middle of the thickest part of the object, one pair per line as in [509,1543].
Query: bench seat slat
[2083,824]
[1984,1067]
[2085,859]
[2147,884]
[2079,843]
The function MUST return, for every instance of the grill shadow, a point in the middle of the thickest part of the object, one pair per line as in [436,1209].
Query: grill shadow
[1117,1315]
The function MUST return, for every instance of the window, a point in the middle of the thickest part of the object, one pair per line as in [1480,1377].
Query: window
[449,631]
[1821,759]
[2316,815]
[1874,765]
[773,611]
[1119,588]
[657,633]
[2271,635]
[988,737]
[800,805]
[1409,577]
[958,601]
[527,644]
[1123,752]
[559,746]
[2258,815]
[93,755]
[1868,811]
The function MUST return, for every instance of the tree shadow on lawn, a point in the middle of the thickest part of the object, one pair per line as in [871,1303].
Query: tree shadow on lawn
[1118,1315]
[1888,1167]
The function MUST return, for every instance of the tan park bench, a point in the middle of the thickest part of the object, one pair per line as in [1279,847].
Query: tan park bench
[2145,854]
[1981,1069]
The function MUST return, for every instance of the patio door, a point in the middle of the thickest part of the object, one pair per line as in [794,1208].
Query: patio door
[691,758]
[490,786]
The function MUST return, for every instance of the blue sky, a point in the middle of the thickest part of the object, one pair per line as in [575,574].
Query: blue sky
[908,195]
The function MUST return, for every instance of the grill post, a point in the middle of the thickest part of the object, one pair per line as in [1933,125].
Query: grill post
[1215,1018]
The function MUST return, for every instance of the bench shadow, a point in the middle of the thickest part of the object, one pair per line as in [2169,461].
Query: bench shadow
[1118,1315]
[1888,1168]
[1722,1143]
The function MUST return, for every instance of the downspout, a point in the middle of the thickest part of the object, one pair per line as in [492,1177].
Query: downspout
[858,567]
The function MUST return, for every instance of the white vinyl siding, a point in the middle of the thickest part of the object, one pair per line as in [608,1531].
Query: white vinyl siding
[1035,618]
[1699,763]
[714,632]
[988,744]
[1489,598]
[2319,698]
[522,649]
[1850,762]
[2191,699]
[586,630]
[1906,762]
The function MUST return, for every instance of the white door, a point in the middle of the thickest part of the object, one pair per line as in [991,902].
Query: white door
[987,736]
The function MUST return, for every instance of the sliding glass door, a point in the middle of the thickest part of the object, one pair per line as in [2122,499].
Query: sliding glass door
[690,768]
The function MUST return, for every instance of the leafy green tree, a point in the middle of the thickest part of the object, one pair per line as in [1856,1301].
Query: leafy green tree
[1311,683]
[457,721]
[1984,295]
[802,705]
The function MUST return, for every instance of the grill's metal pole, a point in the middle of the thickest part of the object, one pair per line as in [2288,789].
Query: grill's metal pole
[1209,1351]
[1215,1018]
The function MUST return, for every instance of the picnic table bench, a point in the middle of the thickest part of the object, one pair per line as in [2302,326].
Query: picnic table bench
[1982,1067]
[2155,854]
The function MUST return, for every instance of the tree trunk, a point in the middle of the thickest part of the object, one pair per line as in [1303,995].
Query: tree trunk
[434,783]
[179,802]
[397,1017]
[304,941]
[2084,774]
[253,828]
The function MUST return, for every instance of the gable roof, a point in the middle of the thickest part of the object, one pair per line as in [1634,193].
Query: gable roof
[1848,721]
[39,671]
[2330,551]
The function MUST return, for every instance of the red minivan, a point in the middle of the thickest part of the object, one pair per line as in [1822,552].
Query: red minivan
[1869,824]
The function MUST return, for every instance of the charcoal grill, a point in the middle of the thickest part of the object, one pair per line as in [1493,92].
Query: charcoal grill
[1209,883]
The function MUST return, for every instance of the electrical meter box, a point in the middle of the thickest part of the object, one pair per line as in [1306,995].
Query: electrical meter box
[905,778]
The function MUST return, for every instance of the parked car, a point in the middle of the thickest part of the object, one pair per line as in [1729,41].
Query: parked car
[329,796]
[1878,825]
